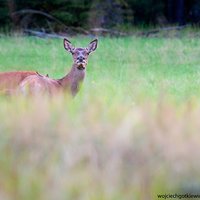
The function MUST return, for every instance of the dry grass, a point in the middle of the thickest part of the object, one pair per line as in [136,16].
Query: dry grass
[48,151]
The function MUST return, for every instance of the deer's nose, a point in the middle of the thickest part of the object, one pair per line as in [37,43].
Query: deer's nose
[80,58]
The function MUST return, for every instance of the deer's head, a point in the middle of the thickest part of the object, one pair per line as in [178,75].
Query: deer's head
[80,55]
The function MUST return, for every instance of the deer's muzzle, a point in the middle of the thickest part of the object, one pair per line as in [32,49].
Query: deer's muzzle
[81,64]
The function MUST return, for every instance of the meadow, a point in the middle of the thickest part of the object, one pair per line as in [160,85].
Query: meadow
[131,133]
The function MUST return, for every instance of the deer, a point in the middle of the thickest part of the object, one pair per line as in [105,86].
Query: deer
[41,84]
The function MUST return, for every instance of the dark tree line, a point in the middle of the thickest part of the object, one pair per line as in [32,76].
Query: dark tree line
[97,13]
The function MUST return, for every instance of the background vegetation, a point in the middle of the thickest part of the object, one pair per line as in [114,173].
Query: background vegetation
[131,133]
[112,14]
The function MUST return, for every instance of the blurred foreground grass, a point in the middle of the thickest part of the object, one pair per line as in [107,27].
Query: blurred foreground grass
[131,133]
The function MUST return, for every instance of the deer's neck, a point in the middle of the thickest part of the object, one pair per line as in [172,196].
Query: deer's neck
[73,80]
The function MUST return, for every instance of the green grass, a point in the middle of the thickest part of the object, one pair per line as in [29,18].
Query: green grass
[132,67]
[131,133]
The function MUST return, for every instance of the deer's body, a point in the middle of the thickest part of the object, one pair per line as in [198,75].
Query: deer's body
[9,81]
[34,83]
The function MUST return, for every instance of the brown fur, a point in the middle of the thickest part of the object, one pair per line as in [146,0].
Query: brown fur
[38,83]
[9,81]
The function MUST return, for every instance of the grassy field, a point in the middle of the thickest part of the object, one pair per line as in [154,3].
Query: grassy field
[131,133]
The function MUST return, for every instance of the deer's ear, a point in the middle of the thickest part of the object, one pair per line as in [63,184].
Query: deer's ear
[68,46]
[92,46]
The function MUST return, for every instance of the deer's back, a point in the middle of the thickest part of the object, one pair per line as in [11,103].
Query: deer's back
[38,84]
[11,80]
